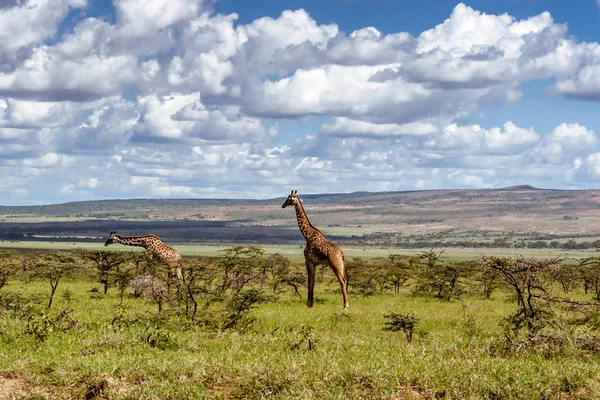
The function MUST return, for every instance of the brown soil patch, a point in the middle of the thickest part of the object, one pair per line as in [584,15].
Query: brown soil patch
[9,388]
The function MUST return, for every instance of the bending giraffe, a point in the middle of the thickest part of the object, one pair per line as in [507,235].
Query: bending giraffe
[318,250]
[155,246]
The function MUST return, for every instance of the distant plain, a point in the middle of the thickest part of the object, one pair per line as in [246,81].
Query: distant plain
[542,222]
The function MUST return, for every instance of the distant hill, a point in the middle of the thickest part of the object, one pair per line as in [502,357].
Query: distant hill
[453,216]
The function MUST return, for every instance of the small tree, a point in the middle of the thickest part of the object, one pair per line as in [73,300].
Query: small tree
[531,281]
[437,276]
[359,276]
[239,304]
[198,278]
[144,264]
[28,260]
[9,266]
[53,266]
[122,277]
[152,288]
[279,268]
[240,266]
[401,268]
[567,276]
[295,280]
[380,270]
[588,271]
[401,322]
[489,279]
[105,262]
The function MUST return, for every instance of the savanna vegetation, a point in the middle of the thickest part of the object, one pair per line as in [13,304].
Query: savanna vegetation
[95,324]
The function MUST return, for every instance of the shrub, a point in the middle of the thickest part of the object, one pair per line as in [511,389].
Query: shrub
[9,266]
[52,267]
[152,288]
[42,325]
[107,263]
[160,339]
[530,281]
[307,339]
[18,304]
[401,322]
[238,306]
[438,277]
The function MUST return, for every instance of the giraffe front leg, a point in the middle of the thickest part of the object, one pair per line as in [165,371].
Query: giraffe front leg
[311,270]
[178,273]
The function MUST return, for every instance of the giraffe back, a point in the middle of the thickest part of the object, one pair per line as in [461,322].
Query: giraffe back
[164,252]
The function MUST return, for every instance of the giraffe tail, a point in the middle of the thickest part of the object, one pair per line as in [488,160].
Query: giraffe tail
[345,276]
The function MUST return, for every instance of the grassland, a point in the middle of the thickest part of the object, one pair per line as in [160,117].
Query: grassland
[131,351]
[350,355]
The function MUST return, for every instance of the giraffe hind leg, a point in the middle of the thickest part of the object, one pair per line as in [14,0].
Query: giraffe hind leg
[175,273]
[337,265]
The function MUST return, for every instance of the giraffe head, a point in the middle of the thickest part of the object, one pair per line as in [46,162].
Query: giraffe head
[292,199]
[112,239]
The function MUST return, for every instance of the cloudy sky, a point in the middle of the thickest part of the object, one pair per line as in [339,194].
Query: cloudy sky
[213,99]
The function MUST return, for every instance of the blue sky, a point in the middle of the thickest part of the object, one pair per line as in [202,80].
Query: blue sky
[389,16]
[232,98]
[416,16]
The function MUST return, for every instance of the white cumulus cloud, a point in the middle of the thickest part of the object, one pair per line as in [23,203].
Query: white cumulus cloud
[171,99]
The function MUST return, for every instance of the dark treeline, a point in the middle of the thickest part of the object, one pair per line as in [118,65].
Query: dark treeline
[179,231]
[185,231]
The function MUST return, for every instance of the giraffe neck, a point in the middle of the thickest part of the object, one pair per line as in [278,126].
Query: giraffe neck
[147,242]
[308,231]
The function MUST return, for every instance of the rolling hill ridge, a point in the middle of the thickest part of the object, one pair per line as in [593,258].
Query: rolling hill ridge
[454,216]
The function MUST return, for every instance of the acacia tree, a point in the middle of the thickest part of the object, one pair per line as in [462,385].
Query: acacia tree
[241,265]
[489,279]
[105,262]
[379,271]
[589,272]
[295,280]
[437,276]
[567,277]
[28,260]
[199,277]
[531,281]
[238,305]
[153,288]
[9,265]
[401,268]
[122,277]
[279,267]
[53,266]
[374,275]
[142,263]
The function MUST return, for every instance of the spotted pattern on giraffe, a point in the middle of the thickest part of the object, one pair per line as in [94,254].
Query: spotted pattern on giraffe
[152,243]
[318,250]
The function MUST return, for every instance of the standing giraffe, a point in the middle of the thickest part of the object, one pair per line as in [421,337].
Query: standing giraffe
[318,250]
[155,246]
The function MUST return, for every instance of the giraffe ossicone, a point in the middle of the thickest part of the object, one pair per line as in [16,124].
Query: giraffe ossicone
[318,250]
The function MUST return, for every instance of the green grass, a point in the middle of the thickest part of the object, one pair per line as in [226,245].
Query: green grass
[352,356]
